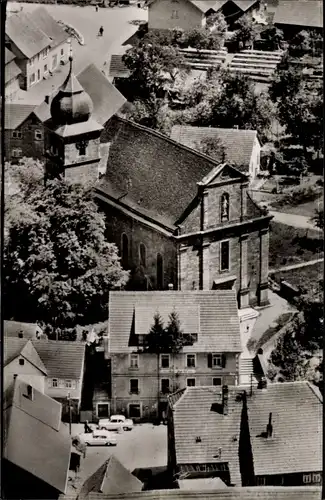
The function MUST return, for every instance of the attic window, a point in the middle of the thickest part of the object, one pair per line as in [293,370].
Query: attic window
[198,439]
[21,361]
[20,335]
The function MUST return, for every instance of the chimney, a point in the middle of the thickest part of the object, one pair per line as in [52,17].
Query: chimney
[262,383]
[15,376]
[47,99]
[30,392]
[170,286]
[225,399]
[269,427]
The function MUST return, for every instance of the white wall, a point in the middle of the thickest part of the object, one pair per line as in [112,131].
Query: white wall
[160,15]
[255,163]
[27,372]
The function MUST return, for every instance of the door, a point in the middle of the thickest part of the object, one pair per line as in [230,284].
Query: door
[102,410]
[134,411]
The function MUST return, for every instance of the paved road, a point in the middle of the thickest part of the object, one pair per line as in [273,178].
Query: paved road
[296,266]
[294,220]
[97,50]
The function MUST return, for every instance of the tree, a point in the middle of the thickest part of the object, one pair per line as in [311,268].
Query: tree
[204,39]
[58,267]
[153,113]
[156,338]
[318,219]
[246,32]
[286,82]
[174,334]
[213,147]
[273,36]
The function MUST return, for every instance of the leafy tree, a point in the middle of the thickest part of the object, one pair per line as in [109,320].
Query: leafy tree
[287,357]
[246,31]
[286,83]
[174,333]
[153,113]
[318,219]
[204,39]
[213,147]
[273,36]
[58,267]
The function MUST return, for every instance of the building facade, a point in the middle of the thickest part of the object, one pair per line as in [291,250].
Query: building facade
[24,132]
[12,73]
[141,380]
[170,14]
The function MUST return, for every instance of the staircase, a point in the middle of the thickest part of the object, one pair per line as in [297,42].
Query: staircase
[203,59]
[258,65]
[246,372]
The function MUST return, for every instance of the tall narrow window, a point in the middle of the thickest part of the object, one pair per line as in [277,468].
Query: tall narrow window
[160,272]
[142,251]
[224,256]
[224,207]
[125,250]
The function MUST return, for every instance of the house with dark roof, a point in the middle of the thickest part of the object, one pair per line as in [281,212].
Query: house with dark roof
[233,10]
[240,148]
[39,44]
[181,218]
[111,478]
[54,367]
[24,132]
[269,435]
[22,330]
[294,16]
[141,381]
[249,493]
[12,73]
[36,445]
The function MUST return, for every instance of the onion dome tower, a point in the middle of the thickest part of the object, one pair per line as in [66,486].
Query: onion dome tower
[73,139]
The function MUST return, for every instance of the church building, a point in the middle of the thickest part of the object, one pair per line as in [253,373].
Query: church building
[180,220]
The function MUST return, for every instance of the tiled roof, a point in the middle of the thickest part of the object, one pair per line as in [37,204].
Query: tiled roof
[217,432]
[11,71]
[297,13]
[16,114]
[26,35]
[238,144]
[28,330]
[117,68]
[216,5]
[36,440]
[111,478]
[62,359]
[50,26]
[13,347]
[296,445]
[107,100]
[9,56]
[253,493]
[217,310]
[209,483]
[149,169]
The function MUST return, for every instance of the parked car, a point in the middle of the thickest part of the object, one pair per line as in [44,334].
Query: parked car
[116,423]
[99,438]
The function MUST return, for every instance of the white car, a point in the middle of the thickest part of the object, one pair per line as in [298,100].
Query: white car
[99,438]
[116,423]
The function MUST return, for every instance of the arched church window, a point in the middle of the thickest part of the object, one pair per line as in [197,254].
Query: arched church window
[125,250]
[160,272]
[224,208]
[143,257]
[82,147]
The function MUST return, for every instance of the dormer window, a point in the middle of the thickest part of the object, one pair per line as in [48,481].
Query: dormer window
[21,362]
[224,207]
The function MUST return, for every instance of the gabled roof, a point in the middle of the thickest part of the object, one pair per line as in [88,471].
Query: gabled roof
[49,25]
[26,35]
[11,71]
[216,5]
[107,100]
[16,328]
[238,144]
[111,478]
[297,13]
[117,68]
[62,359]
[147,169]
[252,493]
[296,445]
[217,434]
[26,350]
[35,439]
[16,114]
[214,313]
[9,56]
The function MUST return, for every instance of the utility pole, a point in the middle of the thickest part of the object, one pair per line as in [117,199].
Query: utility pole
[70,412]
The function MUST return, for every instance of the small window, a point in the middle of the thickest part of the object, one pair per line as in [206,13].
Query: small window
[190,360]
[224,256]
[125,250]
[306,478]
[54,61]
[68,384]
[134,361]
[216,360]
[160,272]
[62,52]
[38,135]
[45,69]
[165,386]
[143,257]
[217,381]
[224,208]
[38,75]
[261,481]
[16,134]
[82,148]
[190,382]
[32,79]
[175,14]
[54,382]
[134,386]
[20,335]
[16,153]
[164,361]
[316,478]
[21,362]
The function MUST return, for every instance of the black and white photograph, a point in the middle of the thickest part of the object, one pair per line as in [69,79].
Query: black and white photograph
[162,249]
